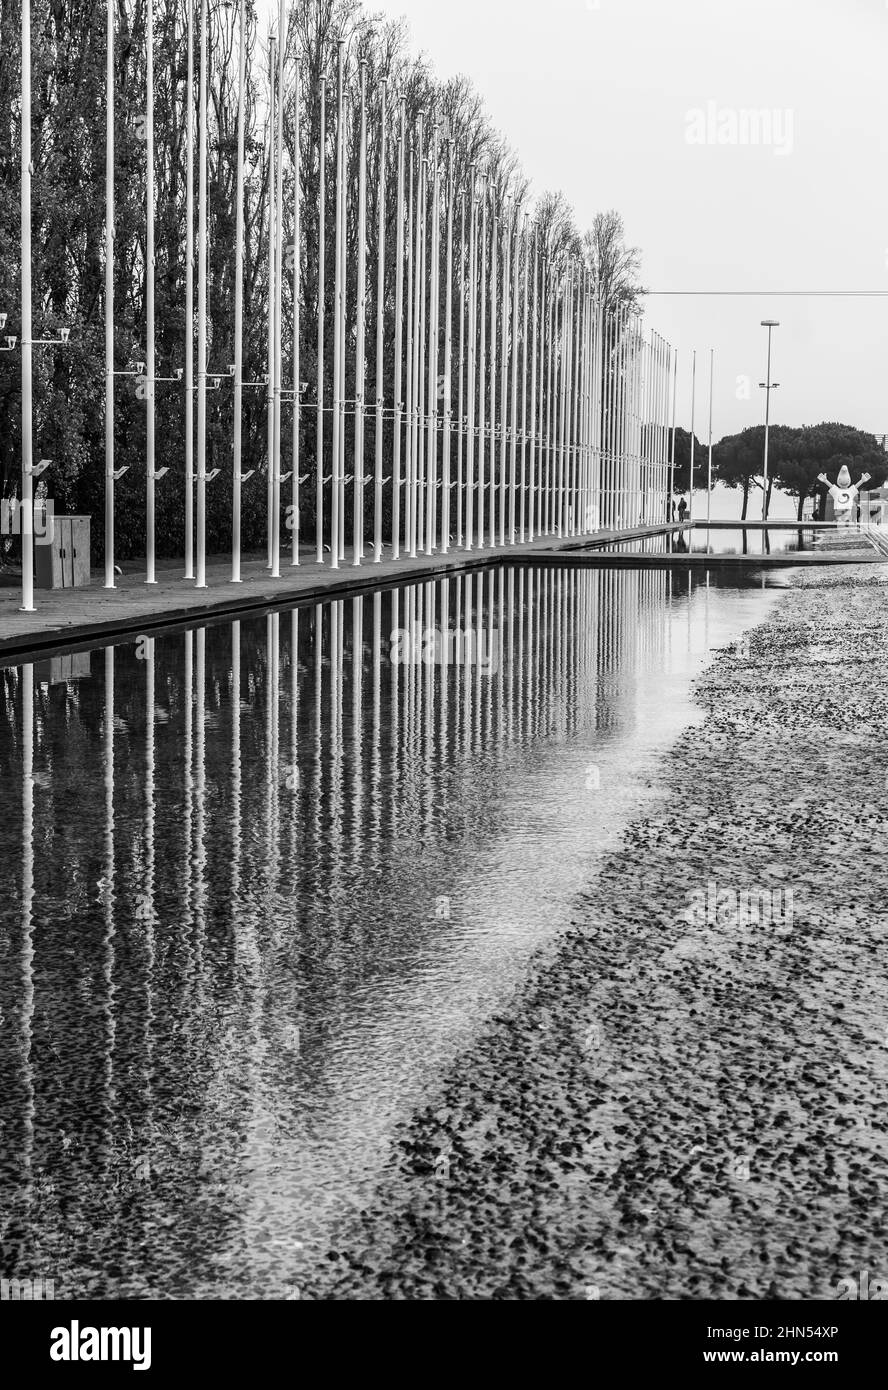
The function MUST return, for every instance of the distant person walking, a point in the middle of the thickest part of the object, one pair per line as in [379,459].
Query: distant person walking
[682,510]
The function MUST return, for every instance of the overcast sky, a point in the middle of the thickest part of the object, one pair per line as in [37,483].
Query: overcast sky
[597,97]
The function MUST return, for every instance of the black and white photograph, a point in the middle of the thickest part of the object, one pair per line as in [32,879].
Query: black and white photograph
[444,674]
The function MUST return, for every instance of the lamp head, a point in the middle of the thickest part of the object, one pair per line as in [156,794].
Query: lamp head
[770,323]
[2,321]
[64,335]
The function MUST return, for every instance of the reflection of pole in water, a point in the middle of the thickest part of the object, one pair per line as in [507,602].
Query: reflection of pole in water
[495,674]
[294,781]
[317,799]
[445,661]
[485,684]
[27,951]
[376,760]
[188,838]
[275,769]
[510,649]
[149,914]
[357,725]
[335,727]
[200,806]
[238,917]
[525,579]
[395,708]
[427,697]
[109,938]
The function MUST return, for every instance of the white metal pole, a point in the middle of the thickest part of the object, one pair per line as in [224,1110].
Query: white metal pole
[422,241]
[337,310]
[561,401]
[550,354]
[770,326]
[278,301]
[149,293]
[432,416]
[27,514]
[418,210]
[201,577]
[189,302]
[380,326]
[109,302]
[672,449]
[410,361]
[271,356]
[693,417]
[494,330]
[399,339]
[482,368]
[319,412]
[448,360]
[461,367]
[470,365]
[506,416]
[361,311]
[534,336]
[297,308]
[523,242]
[238,308]
[709,467]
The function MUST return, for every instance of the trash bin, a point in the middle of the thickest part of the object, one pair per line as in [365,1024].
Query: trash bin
[62,558]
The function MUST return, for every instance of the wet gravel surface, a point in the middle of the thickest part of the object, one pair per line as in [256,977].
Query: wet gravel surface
[682,1102]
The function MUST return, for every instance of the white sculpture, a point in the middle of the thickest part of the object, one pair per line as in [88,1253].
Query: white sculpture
[843,494]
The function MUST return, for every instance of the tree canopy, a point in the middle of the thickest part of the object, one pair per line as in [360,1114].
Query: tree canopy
[796,456]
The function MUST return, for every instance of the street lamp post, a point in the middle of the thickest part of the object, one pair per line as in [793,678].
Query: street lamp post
[767,386]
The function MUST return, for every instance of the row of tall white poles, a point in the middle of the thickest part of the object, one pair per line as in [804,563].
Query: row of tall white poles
[561,421]
[637,458]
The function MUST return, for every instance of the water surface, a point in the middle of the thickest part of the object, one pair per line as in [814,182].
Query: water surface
[261,882]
